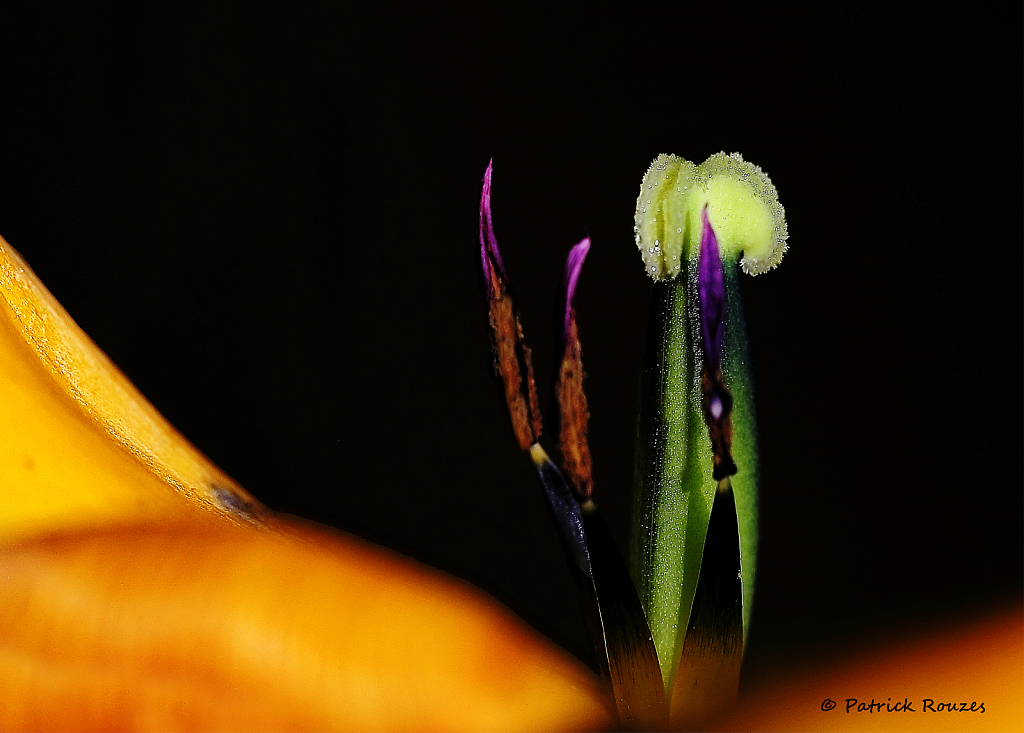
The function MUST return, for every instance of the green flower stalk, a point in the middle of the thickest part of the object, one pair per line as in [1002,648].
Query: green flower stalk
[670,639]
[696,459]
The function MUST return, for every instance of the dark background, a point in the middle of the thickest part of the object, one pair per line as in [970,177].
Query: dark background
[268,218]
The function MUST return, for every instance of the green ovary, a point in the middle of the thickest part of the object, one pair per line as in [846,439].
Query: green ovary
[674,488]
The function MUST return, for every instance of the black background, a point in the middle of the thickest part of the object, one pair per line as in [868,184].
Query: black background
[268,218]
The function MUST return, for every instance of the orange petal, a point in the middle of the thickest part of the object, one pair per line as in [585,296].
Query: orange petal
[79,445]
[980,663]
[177,627]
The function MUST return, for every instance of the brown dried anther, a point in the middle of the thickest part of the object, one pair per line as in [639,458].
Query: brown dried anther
[512,356]
[572,400]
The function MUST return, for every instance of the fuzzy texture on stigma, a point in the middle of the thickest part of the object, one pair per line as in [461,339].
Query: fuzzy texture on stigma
[741,203]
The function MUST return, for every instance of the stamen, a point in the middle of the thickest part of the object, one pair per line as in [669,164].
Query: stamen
[572,400]
[511,354]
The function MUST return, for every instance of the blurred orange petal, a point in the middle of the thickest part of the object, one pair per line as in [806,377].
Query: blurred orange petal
[980,662]
[174,627]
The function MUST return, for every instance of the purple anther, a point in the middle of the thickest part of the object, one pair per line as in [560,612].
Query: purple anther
[711,292]
[490,257]
[573,265]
